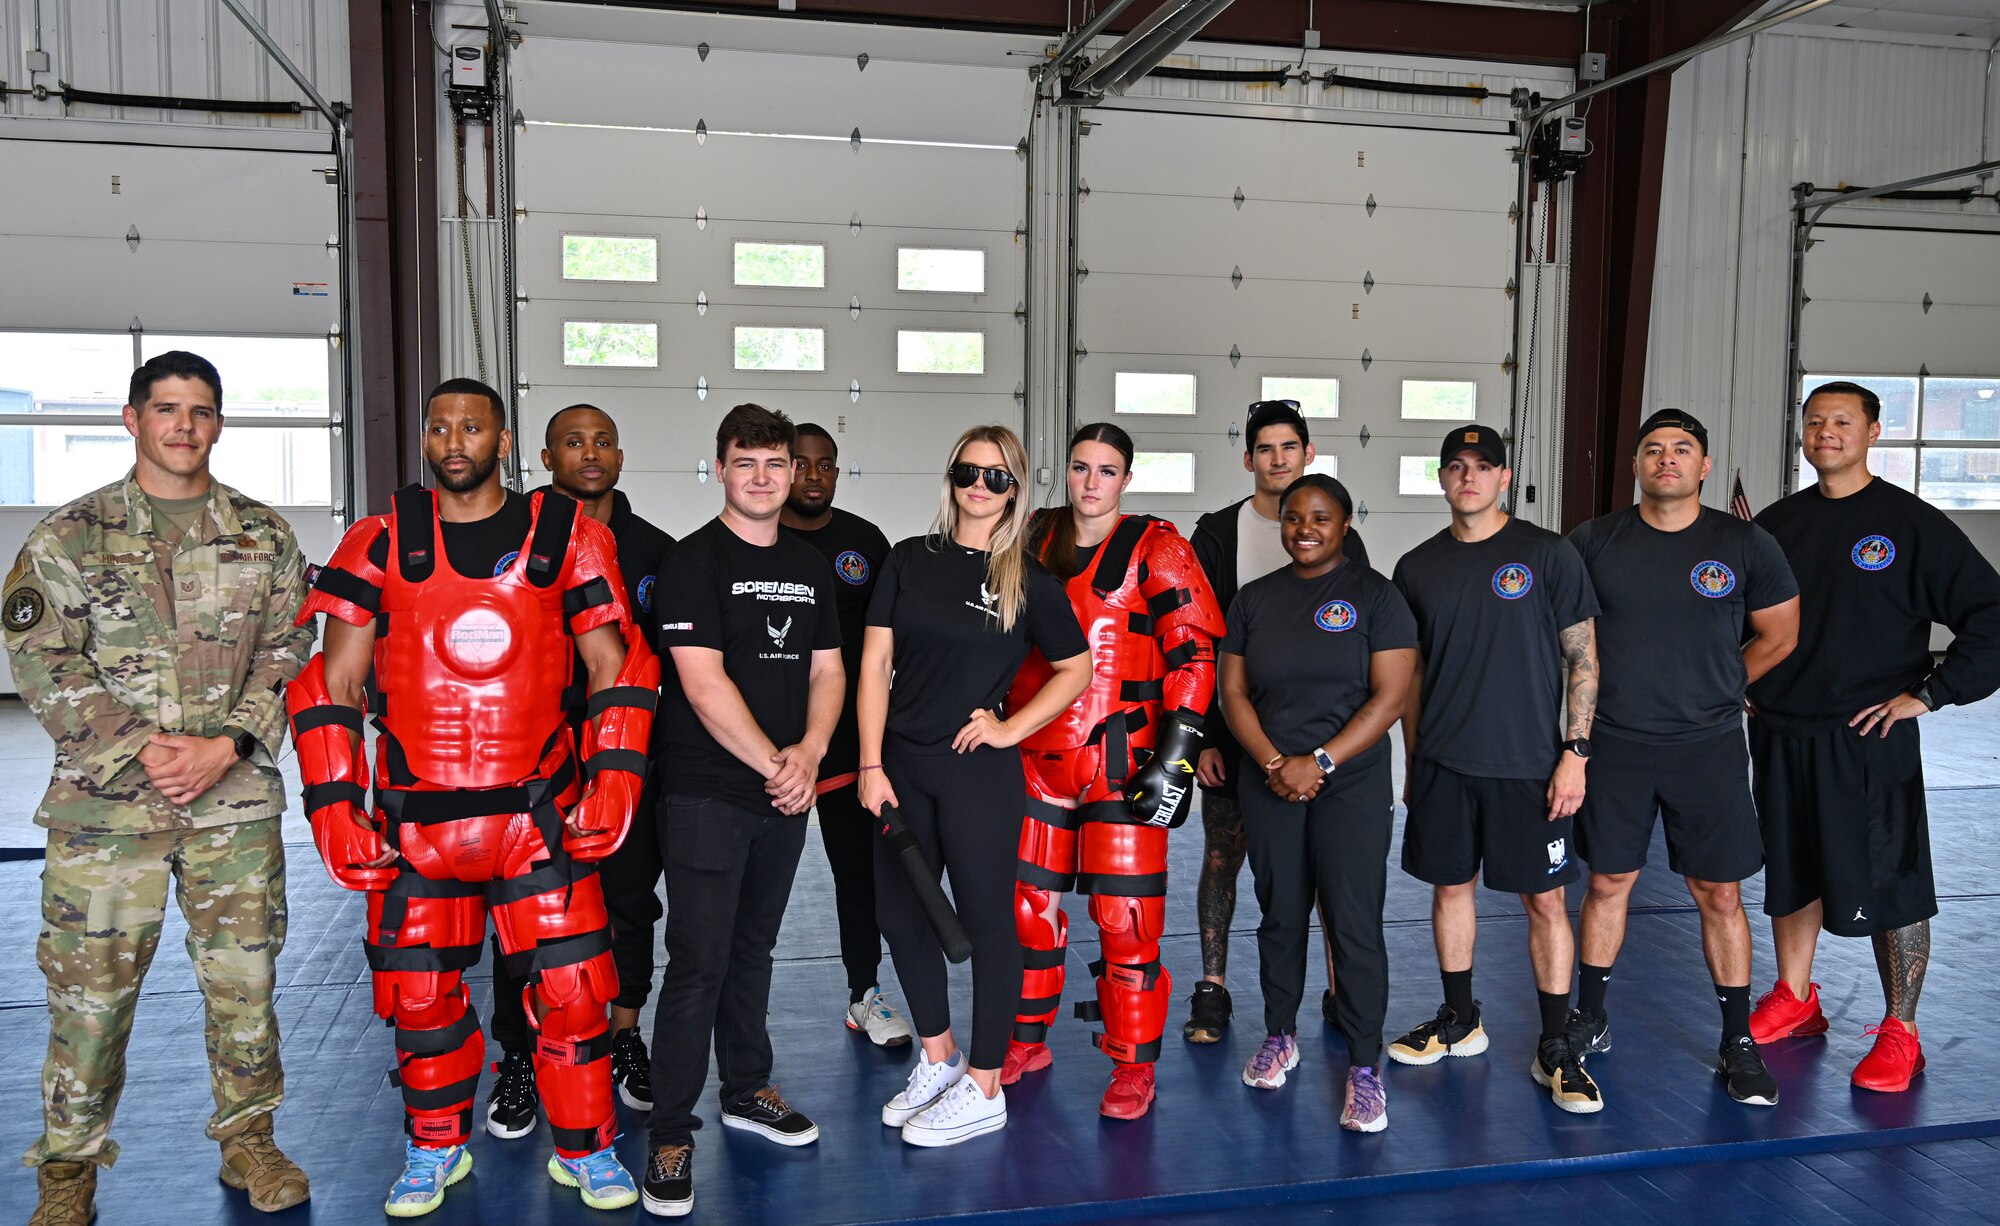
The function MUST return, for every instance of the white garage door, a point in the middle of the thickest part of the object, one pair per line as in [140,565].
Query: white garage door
[1915,315]
[1361,270]
[671,273]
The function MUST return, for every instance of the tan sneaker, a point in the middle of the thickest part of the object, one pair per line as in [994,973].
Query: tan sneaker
[69,1194]
[252,1161]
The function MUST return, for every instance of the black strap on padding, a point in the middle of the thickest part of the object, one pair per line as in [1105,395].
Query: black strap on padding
[555,520]
[1042,959]
[589,594]
[462,1123]
[1032,874]
[1142,1053]
[528,964]
[1089,1011]
[629,760]
[1123,885]
[430,808]
[421,958]
[439,1041]
[416,532]
[346,585]
[319,795]
[1141,691]
[1042,811]
[441,1097]
[575,1053]
[1185,654]
[1115,559]
[1031,1032]
[621,696]
[322,717]
[1163,603]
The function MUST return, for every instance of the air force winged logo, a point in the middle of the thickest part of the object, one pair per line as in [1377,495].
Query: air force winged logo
[778,633]
[1712,579]
[987,599]
[1513,581]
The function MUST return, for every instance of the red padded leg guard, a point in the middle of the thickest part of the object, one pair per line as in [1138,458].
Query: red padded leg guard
[1044,946]
[1133,989]
[560,941]
[439,1052]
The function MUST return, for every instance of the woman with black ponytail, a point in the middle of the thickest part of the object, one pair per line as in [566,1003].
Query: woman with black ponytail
[1110,776]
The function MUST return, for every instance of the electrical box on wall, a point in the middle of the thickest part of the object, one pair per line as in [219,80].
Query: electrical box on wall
[1571,136]
[1590,68]
[468,85]
[468,68]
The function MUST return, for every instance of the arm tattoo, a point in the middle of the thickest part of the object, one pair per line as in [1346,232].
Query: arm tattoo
[1579,649]
[1902,956]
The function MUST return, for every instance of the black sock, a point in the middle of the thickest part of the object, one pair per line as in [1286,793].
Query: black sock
[1735,1012]
[854,995]
[1590,984]
[1458,993]
[1555,1011]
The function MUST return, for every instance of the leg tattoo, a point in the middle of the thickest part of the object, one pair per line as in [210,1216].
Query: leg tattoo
[1215,894]
[1901,958]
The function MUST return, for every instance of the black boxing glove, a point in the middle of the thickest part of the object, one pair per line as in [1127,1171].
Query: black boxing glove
[1161,791]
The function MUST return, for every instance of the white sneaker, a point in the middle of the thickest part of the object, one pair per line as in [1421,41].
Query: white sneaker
[876,1018]
[928,1083]
[963,1113]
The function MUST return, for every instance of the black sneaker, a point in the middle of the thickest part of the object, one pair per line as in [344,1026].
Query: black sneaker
[669,1190]
[1588,1033]
[632,1069]
[1741,1067]
[1208,1013]
[769,1114]
[1444,1035]
[510,1109]
[1326,1012]
[1557,1067]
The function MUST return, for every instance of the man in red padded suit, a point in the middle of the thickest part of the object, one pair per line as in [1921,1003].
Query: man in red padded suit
[1109,778]
[472,603]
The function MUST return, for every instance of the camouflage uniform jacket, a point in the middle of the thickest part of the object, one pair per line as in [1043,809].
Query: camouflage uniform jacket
[106,652]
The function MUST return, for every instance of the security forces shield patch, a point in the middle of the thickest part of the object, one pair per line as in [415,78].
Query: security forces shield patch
[1874,552]
[1512,581]
[22,610]
[1335,616]
[1712,579]
[851,567]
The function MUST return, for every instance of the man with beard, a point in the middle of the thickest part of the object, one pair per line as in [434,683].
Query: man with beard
[855,548]
[581,453]
[472,604]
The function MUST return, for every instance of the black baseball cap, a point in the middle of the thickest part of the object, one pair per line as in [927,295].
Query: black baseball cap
[1483,440]
[1274,413]
[1674,419]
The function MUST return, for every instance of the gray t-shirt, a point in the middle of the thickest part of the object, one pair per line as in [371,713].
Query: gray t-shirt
[1670,634]
[1260,546]
[1307,645]
[1489,614]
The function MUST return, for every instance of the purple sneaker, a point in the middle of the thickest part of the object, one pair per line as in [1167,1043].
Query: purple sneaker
[1266,1071]
[1366,1107]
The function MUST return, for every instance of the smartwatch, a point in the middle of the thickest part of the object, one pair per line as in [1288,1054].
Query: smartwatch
[1580,746]
[1923,695]
[246,745]
[1323,760]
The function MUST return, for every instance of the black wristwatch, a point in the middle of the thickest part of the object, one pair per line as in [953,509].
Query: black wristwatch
[1580,746]
[246,745]
[1923,695]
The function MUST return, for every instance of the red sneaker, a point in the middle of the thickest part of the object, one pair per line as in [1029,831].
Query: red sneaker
[1023,1058]
[1130,1092]
[1896,1058]
[1781,1015]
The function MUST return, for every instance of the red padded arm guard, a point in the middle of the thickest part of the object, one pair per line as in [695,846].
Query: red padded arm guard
[349,586]
[1186,620]
[616,738]
[334,767]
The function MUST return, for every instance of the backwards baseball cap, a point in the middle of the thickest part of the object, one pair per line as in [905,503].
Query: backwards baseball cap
[1485,441]
[1274,413]
[1674,419]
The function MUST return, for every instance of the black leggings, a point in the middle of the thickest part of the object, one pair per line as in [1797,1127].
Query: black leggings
[965,811]
[848,830]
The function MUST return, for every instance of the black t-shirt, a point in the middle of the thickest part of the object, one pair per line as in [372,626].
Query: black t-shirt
[766,608]
[483,548]
[1875,570]
[1307,645]
[951,656]
[856,549]
[1670,633]
[1489,614]
[640,546]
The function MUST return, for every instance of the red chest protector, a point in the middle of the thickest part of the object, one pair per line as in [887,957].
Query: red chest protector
[471,671]
[1126,661]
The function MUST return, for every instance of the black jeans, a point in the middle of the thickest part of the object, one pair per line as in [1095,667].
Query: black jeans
[848,831]
[1335,848]
[729,875]
[966,812]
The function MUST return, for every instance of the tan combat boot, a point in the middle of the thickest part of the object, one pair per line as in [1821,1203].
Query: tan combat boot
[251,1160]
[69,1194]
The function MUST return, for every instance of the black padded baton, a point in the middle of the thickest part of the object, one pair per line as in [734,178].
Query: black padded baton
[924,880]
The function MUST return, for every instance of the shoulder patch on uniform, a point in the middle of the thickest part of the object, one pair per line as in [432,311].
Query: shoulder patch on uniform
[20,569]
[22,609]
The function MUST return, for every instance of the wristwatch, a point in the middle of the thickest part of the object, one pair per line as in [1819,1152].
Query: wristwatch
[1323,760]
[1923,695]
[246,745]
[1580,746]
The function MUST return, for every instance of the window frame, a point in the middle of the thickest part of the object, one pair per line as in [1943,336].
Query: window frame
[942,374]
[1916,444]
[1402,387]
[1194,399]
[562,346]
[825,264]
[825,356]
[985,259]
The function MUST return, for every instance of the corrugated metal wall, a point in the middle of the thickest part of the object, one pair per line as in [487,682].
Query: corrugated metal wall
[1749,121]
[182,48]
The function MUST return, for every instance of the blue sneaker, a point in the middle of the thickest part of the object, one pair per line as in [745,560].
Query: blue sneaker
[603,1180]
[426,1174]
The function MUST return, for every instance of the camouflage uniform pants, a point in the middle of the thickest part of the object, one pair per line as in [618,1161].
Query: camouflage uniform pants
[104,899]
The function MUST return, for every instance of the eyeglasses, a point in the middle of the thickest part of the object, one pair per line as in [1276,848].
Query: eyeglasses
[998,480]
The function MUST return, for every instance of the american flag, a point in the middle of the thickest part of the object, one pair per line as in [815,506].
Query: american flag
[1739,502]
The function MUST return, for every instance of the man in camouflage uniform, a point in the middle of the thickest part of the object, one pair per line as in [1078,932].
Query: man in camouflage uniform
[149,625]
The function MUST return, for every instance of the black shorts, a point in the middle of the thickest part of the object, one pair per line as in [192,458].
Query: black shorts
[1845,823]
[1702,790]
[1458,822]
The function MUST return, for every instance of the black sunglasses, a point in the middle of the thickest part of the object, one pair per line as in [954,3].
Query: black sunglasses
[998,480]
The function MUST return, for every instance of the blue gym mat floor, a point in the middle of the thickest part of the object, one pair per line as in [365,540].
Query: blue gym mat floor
[1468,1140]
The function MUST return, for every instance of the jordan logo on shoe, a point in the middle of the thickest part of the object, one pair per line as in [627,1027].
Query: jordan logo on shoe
[1858,915]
